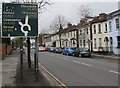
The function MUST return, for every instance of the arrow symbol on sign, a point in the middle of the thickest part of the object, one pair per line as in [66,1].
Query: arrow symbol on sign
[26,24]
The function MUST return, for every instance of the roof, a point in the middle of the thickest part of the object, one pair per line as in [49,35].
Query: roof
[114,14]
[82,25]
[101,18]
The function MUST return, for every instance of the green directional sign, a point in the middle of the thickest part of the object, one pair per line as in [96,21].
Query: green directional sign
[19,20]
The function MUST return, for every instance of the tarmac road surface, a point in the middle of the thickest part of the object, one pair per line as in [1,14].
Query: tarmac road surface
[76,71]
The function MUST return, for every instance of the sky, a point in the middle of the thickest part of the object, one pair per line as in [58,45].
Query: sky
[69,9]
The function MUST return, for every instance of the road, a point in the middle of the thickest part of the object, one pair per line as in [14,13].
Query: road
[76,71]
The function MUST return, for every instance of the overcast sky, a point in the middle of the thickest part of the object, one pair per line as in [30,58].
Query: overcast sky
[70,11]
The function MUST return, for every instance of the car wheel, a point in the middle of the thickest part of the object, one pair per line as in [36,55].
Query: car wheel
[89,55]
[77,55]
[81,55]
[73,54]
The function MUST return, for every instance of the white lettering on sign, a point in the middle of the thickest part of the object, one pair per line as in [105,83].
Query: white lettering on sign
[11,19]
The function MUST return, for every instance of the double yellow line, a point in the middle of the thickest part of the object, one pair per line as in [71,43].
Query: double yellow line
[62,85]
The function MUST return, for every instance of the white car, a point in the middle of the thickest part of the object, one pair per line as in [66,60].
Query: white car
[41,49]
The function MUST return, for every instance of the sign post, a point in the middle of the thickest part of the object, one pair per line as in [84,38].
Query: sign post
[20,20]
[21,58]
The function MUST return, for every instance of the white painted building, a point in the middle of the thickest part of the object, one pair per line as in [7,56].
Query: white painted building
[114,31]
[100,33]
[84,35]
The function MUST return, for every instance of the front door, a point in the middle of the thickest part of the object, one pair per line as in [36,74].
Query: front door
[111,44]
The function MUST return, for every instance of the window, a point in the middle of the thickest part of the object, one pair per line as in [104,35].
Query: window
[118,41]
[62,43]
[100,42]
[81,43]
[71,35]
[84,31]
[84,43]
[80,32]
[117,23]
[94,29]
[74,33]
[87,31]
[68,34]
[105,27]
[110,26]
[95,44]
[99,28]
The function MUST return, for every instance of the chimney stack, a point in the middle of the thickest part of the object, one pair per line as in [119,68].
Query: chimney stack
[69,25]
[82,21]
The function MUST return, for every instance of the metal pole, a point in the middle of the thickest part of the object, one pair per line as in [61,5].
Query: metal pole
[36,60]
[91,38]
[21,58]
[28,51]
[77,37]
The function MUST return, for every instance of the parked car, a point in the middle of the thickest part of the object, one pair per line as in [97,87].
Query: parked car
[77,52]
[68,51]
[58,50]
[54,50]
[51,49]
[41,49]
[46,48]
[85,53]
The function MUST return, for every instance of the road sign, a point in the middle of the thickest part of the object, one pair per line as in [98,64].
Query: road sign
[19,20]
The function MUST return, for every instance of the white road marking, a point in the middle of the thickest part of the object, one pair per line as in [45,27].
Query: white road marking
[65,58]
[82,63]
[87,64]
[76,61]
[114,72]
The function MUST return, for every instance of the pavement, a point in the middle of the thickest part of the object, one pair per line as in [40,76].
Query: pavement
[113,57]
[9,65]
[11,73]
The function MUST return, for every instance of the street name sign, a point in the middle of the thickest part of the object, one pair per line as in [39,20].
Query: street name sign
[19,20]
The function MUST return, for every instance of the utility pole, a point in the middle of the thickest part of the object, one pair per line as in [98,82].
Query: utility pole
[91,37]
[60,31]
[77,37]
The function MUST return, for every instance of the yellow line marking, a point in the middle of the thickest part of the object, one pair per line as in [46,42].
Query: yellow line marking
[61,84]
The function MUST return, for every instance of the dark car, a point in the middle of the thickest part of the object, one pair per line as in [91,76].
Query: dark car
[50,49]
[85,53]
[54,50]
[77,52]
[58,50]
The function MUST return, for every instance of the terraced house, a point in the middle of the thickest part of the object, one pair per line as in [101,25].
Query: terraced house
[101,34]
[114,31]
[84,34]
[65,37]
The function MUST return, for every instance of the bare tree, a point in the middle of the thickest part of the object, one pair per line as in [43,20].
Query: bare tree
[42,4]
[84,11]
[58,23]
